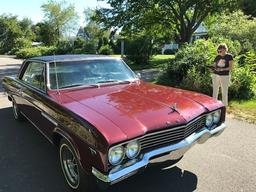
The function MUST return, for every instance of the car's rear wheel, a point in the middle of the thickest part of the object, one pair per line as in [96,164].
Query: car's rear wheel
[16,112]
[71,168]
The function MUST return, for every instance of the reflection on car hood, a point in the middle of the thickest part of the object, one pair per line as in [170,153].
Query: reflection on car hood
[124,112]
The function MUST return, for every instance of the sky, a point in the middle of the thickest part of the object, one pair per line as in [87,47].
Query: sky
[32,8]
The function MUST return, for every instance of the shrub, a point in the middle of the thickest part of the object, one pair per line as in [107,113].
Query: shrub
[78,51]
[89,47]
[35,52]
[51,50]
[21,43]
[139,48]
[28,52]
[64,47]
[80,47]
[197,81]
[79,43]
[243,84]
[106,50]
[199,55]
[250,61]
[139,58]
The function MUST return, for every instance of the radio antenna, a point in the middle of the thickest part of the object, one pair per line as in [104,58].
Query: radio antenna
[56,75]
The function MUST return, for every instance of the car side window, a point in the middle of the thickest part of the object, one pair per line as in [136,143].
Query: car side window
[34,75]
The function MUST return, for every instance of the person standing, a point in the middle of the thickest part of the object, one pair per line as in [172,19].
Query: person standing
[222,66]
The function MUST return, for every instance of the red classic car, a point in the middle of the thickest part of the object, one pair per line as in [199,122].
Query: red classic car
[106,122]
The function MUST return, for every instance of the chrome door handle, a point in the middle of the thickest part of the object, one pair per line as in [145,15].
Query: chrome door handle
[20,91]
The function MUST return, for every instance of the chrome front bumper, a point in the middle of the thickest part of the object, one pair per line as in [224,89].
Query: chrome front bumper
[175,151]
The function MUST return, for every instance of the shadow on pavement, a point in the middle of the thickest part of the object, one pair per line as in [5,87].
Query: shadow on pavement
[156,179]
[28,162]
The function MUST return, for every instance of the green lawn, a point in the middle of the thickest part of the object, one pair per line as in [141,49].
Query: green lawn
[243,110]
[157,62]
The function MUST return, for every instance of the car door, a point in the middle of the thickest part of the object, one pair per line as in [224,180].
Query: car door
[33,93]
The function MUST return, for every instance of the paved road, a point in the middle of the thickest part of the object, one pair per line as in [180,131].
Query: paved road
[8,66]
[29,163]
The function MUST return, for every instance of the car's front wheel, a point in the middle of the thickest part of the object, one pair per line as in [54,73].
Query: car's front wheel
[71,168]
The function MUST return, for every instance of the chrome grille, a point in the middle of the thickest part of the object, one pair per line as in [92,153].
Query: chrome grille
[171,135]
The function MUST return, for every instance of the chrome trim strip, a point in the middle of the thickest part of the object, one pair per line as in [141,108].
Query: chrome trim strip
[82,59]
[176,150]
[47,76]
[49,118]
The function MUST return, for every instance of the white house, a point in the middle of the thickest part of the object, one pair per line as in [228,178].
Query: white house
[201,32]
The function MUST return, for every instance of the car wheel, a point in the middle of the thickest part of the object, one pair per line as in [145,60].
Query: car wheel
[71,168]
[16,112]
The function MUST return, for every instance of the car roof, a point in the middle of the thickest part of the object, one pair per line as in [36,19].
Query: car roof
[59,58]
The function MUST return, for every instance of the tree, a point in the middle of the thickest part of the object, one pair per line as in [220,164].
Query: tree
[11,29]
[26,27]
[183,16]
[97,35]
[45,33]
[60,16]
[248,7]
[235,26]
[139,47]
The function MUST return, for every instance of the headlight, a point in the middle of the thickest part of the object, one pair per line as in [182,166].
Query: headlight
[116,155]
[209,120]
[132,149]
[216,116]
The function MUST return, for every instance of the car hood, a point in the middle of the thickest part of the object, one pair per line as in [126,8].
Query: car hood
[123,112]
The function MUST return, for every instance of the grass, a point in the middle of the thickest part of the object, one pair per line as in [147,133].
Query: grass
[156,62]
[243,110]
[118,56]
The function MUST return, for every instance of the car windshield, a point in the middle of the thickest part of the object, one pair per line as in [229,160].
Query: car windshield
[89,72]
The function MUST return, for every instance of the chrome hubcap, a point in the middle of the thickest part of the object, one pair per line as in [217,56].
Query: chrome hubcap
[69,166]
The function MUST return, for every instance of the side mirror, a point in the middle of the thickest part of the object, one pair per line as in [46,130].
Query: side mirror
[138,75]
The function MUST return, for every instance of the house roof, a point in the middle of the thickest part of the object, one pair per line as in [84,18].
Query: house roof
[200,30]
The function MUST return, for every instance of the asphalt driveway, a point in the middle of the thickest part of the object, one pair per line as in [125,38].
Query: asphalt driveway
[28,162]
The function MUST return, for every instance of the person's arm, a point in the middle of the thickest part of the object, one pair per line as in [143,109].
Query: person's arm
[214,64]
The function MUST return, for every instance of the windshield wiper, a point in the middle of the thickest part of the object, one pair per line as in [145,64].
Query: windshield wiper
[114,81]
[108,81]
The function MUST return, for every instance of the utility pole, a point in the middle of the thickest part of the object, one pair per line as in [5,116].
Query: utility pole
[122,47]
